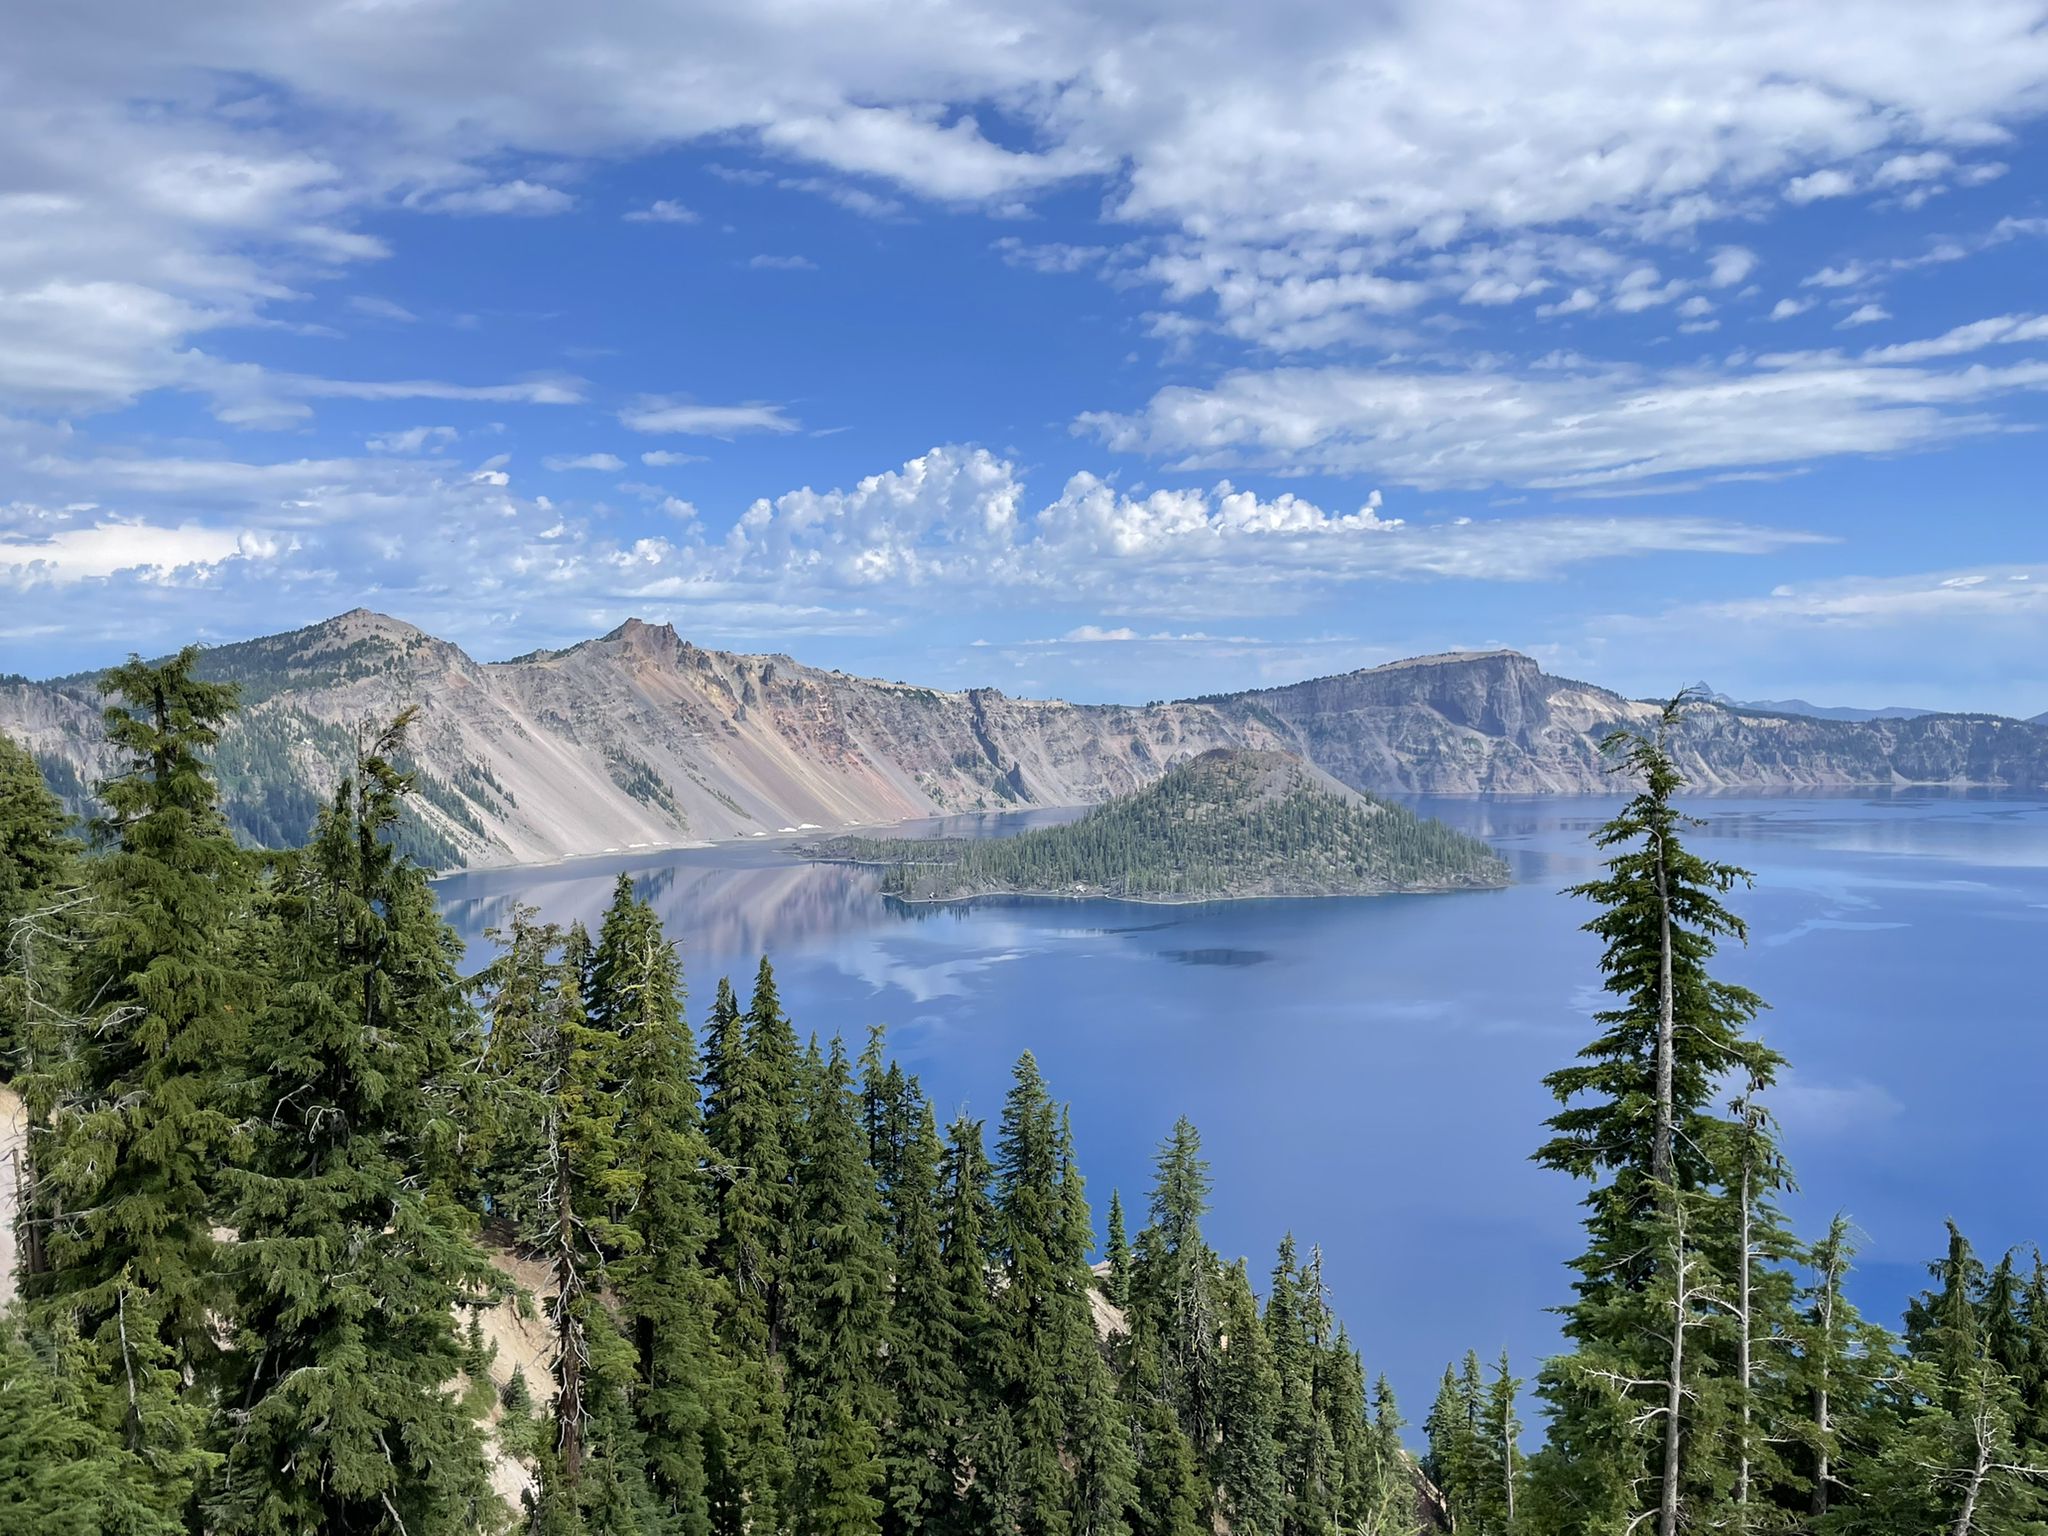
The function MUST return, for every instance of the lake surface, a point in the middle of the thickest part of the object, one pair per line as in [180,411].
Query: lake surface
[1365,1072]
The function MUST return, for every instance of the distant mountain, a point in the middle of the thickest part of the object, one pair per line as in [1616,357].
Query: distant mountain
[1228,824]
[1820,711]
[640,739]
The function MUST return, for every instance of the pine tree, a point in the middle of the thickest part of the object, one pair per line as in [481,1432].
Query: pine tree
[1498,1430]
[1098,1442]
[979,1456]
[1117,1250]
[62,1472]
[1453,1455]
[671,1298]
[1304,1449]
[1248,1415]
[1840,1369]
[749,1125]
[925,1373]
[1065,1465]
[140,1133]
[36,861]
[567,1182]
[778,1075]
[836,1318]
[1659,1275]
[41,906]
[1173,1313]
[1389,1506]
[1952,1460]
[350,1262]
[1169,1493]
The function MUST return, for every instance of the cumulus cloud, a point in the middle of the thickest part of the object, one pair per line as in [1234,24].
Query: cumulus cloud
[1730,265]
[150,552]
[1819,185]
[148,548]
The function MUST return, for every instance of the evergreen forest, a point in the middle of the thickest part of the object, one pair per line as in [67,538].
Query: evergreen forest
[1220,825]
[291,1180]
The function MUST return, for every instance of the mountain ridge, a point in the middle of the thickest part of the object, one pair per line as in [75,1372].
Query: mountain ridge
[639,738]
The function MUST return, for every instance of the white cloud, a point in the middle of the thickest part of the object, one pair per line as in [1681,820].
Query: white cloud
[1786,309]
[1848,275]
[380,309]
[65,556]
[654,413]
[1820,184]
[2011,592]
[1572,425]
[782,264]
[555,391]
[1863,314]
[411,440]
[2002,330]
[610,462]
[1902,170]
[664,458]
[155,549]
[528,198]
[175,173]
[662,211]
[1730,265]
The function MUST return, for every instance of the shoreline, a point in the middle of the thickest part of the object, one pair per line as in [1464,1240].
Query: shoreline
[1178,901]
[1944,789]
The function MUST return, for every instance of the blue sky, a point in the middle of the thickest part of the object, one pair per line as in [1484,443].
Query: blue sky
[1111,351]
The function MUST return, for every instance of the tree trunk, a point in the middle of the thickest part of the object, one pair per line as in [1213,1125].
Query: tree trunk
[1667,1029]
[1967,1515]
[568,1330]
[1674,1386]
[1507,1466]
[1822,1463]
[1742,1350]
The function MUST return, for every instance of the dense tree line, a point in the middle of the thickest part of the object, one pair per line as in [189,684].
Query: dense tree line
[278,1140]
[285,1162]
[1222,824]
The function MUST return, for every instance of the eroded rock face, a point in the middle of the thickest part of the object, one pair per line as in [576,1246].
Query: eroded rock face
[641,739]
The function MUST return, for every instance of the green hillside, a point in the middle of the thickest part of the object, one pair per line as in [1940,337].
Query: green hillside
[1224,825]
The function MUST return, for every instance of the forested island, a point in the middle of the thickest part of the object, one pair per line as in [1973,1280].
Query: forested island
[317,1236]
[1225,825]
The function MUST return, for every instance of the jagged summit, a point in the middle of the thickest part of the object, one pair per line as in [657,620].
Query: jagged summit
[640,739]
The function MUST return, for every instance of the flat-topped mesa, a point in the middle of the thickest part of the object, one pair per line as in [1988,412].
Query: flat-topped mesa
[1499,693]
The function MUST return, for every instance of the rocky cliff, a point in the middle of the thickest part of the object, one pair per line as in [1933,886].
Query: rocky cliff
[641,739]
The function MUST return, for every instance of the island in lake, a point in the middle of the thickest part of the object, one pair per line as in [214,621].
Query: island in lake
[1227,825]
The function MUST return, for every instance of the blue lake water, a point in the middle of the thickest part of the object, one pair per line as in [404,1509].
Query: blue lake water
[1366,1073]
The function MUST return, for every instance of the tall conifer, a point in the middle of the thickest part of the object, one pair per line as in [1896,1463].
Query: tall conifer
[350,1258]
[162,994]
